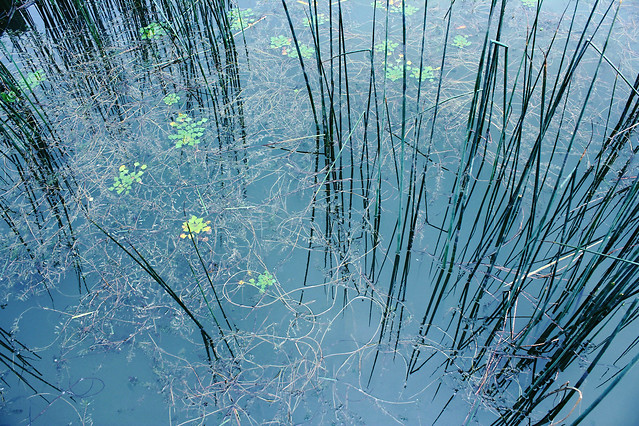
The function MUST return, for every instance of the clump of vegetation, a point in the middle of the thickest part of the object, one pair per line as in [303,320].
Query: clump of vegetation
[188,132]
[264,281]
[388,47]
[395,6]
[124,181]
[31,80]
[320,18]
[395,71]
[280,41]
[306,51]
[529,3]
[195,225]
[9,96]
[240,18]
[171,99]
[427,73]
[152,31]
[284,43]
[460,41]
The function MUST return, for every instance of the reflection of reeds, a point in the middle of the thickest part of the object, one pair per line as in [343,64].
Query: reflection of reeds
[494,187]
[35,169]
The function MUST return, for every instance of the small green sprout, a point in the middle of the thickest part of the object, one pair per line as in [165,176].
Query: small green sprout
[394,72]
[124,181]
[171,99]
[188,132]
[264,281]
[427,73]
[195,225]
[460,41]
[395,6]
[240,18]
[152,31]
[32,80]
[284,43]
[280,41]
[306,51]
[9,96]
[321,19]
[388,47]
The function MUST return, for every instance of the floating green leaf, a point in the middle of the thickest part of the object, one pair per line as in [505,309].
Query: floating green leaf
[124,181]
[280,41]
[321,19]
[32,80]
[395,6]
[240,18]
[152,31]
[388,47]
[188,132]
[171,98]
[264,281]
[460,41]
[195,225]
[306,51]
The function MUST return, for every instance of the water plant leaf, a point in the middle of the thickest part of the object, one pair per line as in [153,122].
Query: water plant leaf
[125,179]
[187,132]
[195,225]
[152,31]
[171,99]
[461,41]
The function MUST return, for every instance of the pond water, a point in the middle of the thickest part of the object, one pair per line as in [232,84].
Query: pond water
[330,213]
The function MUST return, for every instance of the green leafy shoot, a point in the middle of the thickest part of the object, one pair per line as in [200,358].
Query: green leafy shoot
[152,31]
[9,96]
[171,99]
[395,6]
[195,225]
[124,181]
[264,281]
[321,19]
[240,18]
[32,80]
[284,43]
[460,41]
[306,51]
[280,41]
[188,132]
[388,47]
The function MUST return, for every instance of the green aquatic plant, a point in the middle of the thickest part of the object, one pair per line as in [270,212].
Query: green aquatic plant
[283,42]
[320,18]
[428,73]
[280,41]
[9,96]
[395,6]
[240,18]
[32,80]
[188,132]
[171,99]
[264,281]
[460,41]
[394,72]
[529,3]
[124,181]
[152,31]
[195,225]
[306,51]
[386,46]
